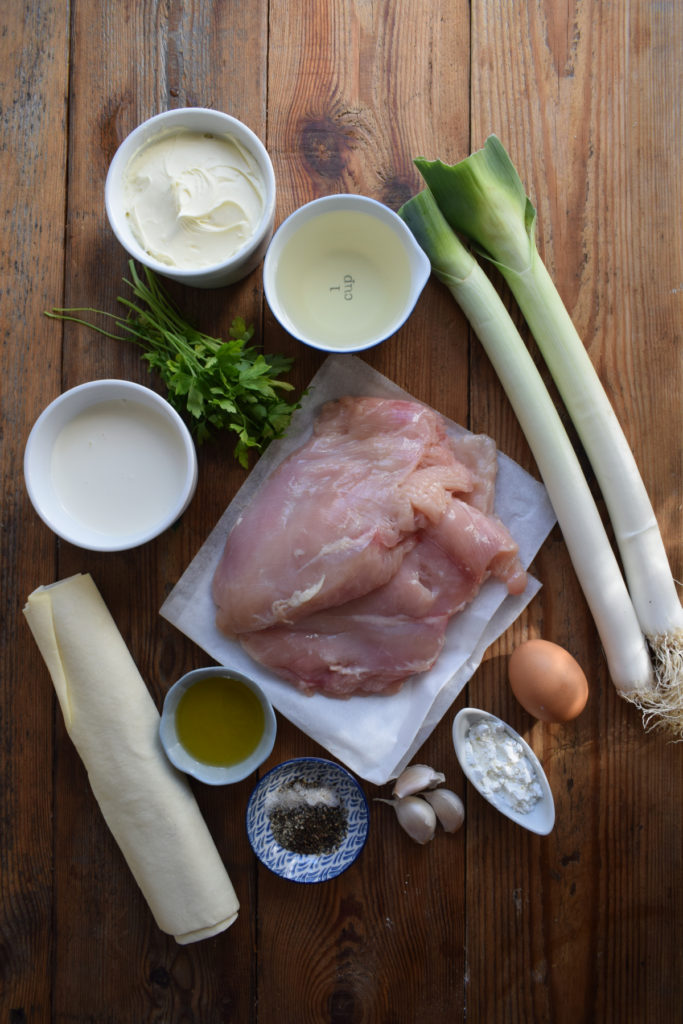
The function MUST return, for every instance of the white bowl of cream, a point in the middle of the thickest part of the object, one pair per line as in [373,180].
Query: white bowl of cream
[109,465]
[190,194]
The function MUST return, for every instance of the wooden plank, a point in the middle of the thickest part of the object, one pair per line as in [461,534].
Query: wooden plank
[33,110]
[356,91]
[576,94]
[112,963]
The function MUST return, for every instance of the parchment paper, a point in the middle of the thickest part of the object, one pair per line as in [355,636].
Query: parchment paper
[374,736]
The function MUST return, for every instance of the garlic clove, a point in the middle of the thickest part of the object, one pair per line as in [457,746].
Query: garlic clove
[448,807]
[416,778]
[416,817]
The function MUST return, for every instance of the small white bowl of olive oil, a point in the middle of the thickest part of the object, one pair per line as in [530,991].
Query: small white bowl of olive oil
[217,725]
[343,273]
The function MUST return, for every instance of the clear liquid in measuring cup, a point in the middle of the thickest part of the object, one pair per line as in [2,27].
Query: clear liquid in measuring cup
[343,279]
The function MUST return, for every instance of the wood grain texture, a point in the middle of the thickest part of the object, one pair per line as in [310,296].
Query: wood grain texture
[33,112]
[489,925]
[589,108]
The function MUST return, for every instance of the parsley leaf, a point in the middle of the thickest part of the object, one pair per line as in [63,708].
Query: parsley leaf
[214,384]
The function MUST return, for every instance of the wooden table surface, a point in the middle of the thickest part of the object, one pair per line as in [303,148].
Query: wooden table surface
[492,924]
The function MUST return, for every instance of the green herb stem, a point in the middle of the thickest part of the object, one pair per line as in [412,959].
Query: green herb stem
[215,384]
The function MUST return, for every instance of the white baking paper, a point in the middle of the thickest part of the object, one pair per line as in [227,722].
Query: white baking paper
[374,736]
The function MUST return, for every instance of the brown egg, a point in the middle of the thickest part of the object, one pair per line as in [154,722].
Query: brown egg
[547,681]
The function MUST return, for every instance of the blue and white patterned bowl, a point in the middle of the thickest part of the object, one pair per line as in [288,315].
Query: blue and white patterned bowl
[298,867]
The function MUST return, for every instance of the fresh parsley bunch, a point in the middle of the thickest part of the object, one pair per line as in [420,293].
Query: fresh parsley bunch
[214,384]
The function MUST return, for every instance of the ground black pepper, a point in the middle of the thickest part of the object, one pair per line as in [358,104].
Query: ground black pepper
[306,820]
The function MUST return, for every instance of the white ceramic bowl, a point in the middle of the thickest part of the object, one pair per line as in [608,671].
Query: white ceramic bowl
[541,817]
[201,120]
[214,775]
[82,479]
[308,867]
[343,273]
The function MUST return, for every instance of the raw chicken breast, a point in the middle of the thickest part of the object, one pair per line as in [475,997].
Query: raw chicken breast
[373,643]
[343,573]
[340,654]
[337,517]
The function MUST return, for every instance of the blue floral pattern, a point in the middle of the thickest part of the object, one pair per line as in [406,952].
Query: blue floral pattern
[299,867]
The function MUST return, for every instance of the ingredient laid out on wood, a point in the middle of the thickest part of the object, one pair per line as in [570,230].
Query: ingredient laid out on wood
[217,725]
[114,724]
[343,573]
[219,720]
[215,385]
[483,198]
[416,778]
[307,820]
[504,772]
[594,561]
[547,681]
[343,273]
[193,199]
[109,465]
[190,194]
[117,466]
[421,802]
[306,817]
[504,769]
[448,807]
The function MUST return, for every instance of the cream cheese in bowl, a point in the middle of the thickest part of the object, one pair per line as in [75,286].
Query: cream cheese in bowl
[190,194]
[109,465]
[193,199]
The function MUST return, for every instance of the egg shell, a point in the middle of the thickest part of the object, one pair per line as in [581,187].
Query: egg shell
[547,681]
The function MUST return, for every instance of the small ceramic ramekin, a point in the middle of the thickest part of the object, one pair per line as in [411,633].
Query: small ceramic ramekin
[203,121]
[71,503]
[343,273]
[318,774]
[212,774]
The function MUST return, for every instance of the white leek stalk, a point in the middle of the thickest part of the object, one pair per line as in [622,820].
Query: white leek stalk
[483,198]
[592,556]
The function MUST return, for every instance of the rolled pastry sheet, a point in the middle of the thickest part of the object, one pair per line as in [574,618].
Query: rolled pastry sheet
[114,724]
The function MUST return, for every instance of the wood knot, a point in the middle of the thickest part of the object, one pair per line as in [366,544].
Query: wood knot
[114,126]
[396,191]
[325,147]
[160,976]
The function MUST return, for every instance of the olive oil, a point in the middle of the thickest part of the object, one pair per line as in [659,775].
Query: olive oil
[342,277]
[219,720]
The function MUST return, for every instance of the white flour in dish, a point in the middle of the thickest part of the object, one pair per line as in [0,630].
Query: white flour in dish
[503,770]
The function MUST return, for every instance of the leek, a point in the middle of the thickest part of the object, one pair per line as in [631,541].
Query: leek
[483,199]
[592,556]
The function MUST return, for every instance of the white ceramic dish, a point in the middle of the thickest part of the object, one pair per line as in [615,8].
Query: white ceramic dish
[541,818]
[299,867]
[214,775]
[343,273]
[160,431]
[201,120]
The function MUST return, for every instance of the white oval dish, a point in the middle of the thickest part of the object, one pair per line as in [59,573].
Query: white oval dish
[152,428]
[211,774]
[541,818]
[203,121]
[343,273]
